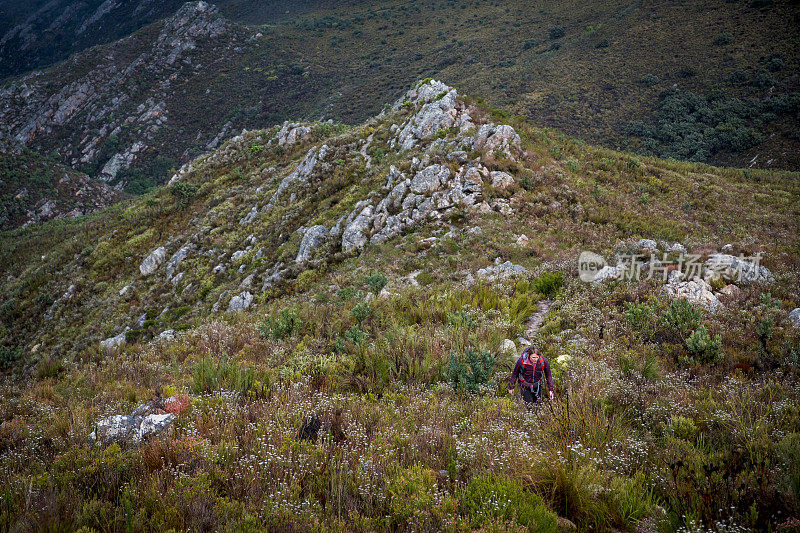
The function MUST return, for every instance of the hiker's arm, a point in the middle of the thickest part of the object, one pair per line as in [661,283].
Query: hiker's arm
[549,379]
[512,381]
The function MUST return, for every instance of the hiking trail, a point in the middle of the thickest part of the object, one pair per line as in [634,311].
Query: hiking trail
[536,320]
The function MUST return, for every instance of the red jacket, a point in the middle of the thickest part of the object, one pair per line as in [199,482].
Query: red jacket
[524,370]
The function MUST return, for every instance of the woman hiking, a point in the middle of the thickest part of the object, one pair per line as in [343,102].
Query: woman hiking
[531,367]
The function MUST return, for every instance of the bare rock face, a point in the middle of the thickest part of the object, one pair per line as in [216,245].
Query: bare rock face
[112,344]
[354,236]
[794,317]
[292,133]
[502,271]
[502,139]
[153,261]
[299,175]
[240,302]
[104,105]
[313,238]
[146,421]
[429,179]
[177,257]
[501,180]
[696,291]
[440,109]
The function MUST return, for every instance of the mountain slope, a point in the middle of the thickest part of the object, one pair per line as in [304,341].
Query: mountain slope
[377,277]
[35,188]
[237,216]
[38,33]
[642,77]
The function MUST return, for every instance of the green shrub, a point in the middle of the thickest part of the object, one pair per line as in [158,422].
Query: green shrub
[642,318]
[424,279]
[682,317]
[648,80]
[530,43]
[723,38]
[282,326]
[376,282]
[8,356]
[488,497]
[704,348]
[631,501]
[347,293]
[548,284]
[183,193]
[557,32]
[355,335]
[682,428]
[461,319]
[472,372]
[361,312]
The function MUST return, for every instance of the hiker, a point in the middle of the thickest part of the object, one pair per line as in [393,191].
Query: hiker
[531,367]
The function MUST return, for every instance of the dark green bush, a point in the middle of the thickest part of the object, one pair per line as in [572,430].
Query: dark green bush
[376,282]
[361,311]
[704,348]
[472,371]
[548,284]
[648,80]
[8,356]
[557,32]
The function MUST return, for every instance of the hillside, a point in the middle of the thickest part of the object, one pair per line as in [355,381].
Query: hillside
[380,276]
[35,188]
[718,86]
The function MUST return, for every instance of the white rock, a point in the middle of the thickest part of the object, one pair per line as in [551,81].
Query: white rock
[177,257]
[430,179]
[794,317]
[502,271]
[501,180]
[152,261]
[112,344]
[240,302]
[313,238]
[152,425]
[114,429]
[508,346]
[167,335]
[696,291]
[608,273]
[354,236]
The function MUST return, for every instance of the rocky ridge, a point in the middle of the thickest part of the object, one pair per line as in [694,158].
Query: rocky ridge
[270,208]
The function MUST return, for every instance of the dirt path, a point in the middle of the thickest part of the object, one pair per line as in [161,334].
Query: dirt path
[536,320]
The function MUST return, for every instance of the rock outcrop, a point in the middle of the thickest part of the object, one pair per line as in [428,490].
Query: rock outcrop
[696,291]
[153,261]
[313,238]
[146,421]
